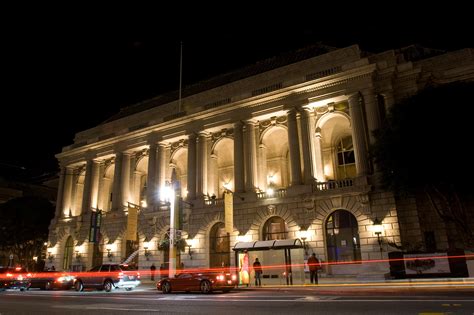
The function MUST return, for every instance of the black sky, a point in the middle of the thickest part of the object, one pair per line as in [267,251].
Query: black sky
[63,73]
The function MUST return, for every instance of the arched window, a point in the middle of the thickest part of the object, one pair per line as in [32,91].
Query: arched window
[342,237]
[67,258]
[274,229]
[219,251]
[345,158]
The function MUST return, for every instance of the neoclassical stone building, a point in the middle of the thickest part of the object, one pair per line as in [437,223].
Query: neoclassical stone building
[289,136]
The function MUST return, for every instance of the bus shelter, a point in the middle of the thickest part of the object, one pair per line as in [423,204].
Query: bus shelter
[276,258]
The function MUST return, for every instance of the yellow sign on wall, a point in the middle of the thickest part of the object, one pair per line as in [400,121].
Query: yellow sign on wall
[132,224]
[229,211]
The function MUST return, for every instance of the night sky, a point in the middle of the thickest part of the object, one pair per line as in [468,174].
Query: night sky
[64,73]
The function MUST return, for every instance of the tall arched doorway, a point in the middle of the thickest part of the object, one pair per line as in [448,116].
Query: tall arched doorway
[98,253]
[342,237]
[68,250]
[219,246]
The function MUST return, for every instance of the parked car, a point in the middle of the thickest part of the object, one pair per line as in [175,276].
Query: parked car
[205,282]
[107,277]
[14,278]
[48,280]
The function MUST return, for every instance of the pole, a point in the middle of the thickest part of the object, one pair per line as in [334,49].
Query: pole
[175,201]
[180,76]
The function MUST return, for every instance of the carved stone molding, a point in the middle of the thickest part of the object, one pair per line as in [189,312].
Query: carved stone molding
[364,202]
[273,121]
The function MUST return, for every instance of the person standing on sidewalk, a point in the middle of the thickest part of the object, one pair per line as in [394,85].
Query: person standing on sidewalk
[314,265]
[257,268]
[152,269]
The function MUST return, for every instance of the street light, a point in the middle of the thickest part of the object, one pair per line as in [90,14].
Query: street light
[147,252]
[378,229]
[172,194]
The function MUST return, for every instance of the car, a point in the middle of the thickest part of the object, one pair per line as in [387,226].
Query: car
[206,282]
[108,277]
[48,280]
[14,278]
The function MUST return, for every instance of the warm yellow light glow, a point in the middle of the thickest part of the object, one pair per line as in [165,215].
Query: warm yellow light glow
[143,203]
[304,235]
[270,191]
[146,245]
[227,186]
[327,170]
[244,238]
[191,242]
[167,193]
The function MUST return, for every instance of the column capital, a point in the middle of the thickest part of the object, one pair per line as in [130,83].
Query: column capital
[353,97]
[191,135]
[251,121]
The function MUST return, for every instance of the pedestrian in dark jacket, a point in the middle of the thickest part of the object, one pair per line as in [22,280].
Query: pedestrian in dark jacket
[257,268]
[152,269]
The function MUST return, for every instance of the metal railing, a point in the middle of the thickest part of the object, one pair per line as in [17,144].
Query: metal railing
[333,184]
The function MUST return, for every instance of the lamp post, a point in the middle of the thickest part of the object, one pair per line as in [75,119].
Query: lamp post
[378,229]
[173,196]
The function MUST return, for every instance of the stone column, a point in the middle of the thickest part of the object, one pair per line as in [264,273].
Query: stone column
[358,135]
[67,191]
[320,177]
[59,199]
[136,191]
[125,179]
[101,194]
[202,164]
[213,176]
[116,189]
[262,166]
[94,195]
[191,166]
[389,99]
[89,194]
[251,158]
[238,157]
[161,168]
[372,112]
[86,192]
[293,142]
[307,143]
[151,181]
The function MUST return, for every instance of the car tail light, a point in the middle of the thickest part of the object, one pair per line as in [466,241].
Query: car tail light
[9,275]
[28,275]
[234,277]
[220,277]
[120,275]
[138,275]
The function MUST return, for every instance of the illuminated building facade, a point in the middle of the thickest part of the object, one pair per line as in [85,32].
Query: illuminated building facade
[289,136]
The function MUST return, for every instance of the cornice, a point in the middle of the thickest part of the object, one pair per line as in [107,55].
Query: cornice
[175,128]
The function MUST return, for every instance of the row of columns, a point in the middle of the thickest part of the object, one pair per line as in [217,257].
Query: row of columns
[303,169]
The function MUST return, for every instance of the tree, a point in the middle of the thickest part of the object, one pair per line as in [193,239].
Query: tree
[424,147]
[24,227]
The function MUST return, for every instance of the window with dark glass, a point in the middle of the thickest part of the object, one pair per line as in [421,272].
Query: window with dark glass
[342,237]
[346,158]
[275,229]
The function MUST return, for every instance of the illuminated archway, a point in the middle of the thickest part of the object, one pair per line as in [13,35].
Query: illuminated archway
[342,237]
[219,241]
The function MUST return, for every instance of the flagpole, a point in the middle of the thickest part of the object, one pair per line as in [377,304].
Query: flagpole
[180,76]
